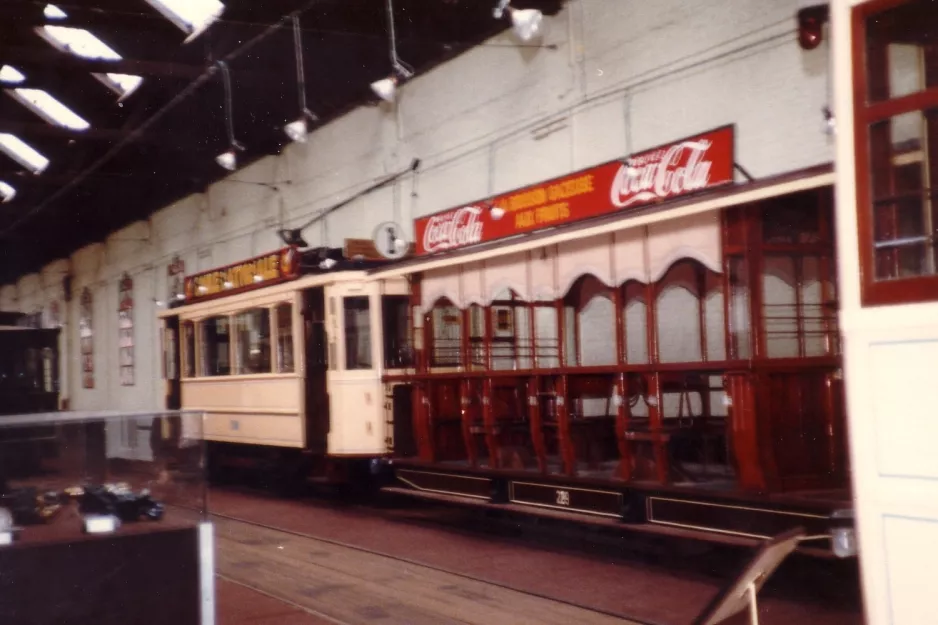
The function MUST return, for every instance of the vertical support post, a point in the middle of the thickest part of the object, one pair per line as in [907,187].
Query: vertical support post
[753,604]
[536,424]
[622,426]
[701,275]
[567,451]
[465,404]
[488,417]
[756,263]
[621,389]
[420,401]
[207,572]
[751,463]
[658,441]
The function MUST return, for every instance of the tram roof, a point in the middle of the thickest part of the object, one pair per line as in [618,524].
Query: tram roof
[724,197]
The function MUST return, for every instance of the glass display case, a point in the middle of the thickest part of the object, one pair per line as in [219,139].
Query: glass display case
[92,532]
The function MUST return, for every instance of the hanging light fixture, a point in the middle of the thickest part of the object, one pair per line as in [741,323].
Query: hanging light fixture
[229,158]
[526,23]
[297,130]
[386,88]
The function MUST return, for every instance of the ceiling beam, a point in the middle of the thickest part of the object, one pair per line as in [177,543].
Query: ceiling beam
[26,56]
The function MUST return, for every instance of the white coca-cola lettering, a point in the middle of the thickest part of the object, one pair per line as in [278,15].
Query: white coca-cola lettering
[455,229]
[649,178]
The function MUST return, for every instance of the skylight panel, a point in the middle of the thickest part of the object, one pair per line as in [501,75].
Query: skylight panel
[124,84]
[10,74]
[54,13]
[22,153]
[7,193]
[80,42]
[48,108]
[192,16]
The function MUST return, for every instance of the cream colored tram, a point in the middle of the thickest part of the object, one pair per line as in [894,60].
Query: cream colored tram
[285,361]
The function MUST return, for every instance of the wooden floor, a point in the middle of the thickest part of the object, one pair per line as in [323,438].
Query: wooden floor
[339,584]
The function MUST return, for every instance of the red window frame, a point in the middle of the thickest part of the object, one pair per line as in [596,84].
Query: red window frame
[898,290]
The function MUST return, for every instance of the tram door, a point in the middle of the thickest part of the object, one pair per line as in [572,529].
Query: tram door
[171,363]
[317,365]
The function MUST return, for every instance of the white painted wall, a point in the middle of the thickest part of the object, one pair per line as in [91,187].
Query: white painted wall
[624,76]
[890,354]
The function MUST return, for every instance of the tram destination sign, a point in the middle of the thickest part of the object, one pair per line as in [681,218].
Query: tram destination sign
[669,171]
[253,273]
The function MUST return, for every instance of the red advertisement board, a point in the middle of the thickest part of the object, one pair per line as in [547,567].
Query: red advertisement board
[669,171]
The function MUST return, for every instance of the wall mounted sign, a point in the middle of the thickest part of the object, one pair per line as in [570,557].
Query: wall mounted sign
[250,274]
[690,165]
[175,279]
[86,338]
[125,329]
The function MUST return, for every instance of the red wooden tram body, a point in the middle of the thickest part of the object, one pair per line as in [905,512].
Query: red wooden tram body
[702,398]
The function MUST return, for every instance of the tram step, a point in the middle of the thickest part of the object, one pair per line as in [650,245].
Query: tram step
[618,525]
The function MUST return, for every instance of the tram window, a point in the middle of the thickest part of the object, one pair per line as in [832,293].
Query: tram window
[216,341]
[285,338]
[253,346]
[396,329]
[446,324]
[357,333]
[188,349]
[48,370]
[897,111]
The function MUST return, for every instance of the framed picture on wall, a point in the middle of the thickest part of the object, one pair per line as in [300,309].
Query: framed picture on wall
[175,278]
[86,337]
[125,330]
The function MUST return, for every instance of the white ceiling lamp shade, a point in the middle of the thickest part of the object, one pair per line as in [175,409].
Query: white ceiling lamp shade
[228,160]
[386,88]
[527,24]
[193,17]
[10,75]
[298,129]
[7,193]
[53,12]
[22,153]
[49,108]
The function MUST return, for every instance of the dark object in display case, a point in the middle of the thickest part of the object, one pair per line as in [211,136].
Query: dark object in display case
[28,505]
[120,502]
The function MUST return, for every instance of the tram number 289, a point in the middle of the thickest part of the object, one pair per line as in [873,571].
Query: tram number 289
[563,498]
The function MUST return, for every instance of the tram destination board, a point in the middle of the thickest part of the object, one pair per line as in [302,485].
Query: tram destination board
[250,274]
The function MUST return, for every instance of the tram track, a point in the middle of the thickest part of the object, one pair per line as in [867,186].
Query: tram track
[694,578]
[239,543]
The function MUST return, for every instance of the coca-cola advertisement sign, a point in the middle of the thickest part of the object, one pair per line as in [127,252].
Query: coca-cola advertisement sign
[687,166]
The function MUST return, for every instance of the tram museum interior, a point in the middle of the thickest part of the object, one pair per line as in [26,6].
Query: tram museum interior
[594,266]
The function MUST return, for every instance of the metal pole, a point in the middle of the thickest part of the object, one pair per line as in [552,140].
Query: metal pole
[753,606]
